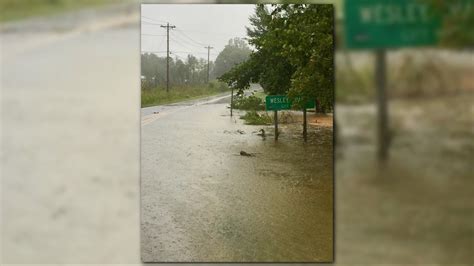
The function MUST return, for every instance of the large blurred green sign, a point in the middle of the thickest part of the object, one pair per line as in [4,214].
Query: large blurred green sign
[282,102]
[389,23]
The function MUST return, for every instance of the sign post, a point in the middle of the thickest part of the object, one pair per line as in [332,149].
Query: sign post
[231,100]
[382,118]
[282,102]
[380,25]
[304,125]
[275,118]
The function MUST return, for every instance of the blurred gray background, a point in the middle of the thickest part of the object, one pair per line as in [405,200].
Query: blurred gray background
[70,134]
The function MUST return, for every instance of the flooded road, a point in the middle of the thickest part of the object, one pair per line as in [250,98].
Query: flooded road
[202,201]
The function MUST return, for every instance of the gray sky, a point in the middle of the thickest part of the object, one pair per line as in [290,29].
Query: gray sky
[197,26]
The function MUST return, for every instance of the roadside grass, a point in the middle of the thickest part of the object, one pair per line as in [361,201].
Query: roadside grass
[252,104]
[20,9]
[255,118]
[157,96]
[249,103]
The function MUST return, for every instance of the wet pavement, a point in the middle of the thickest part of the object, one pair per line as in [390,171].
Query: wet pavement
[203,201]
[70,142]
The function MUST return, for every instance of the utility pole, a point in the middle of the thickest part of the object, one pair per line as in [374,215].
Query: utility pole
[208,53]
[167,26]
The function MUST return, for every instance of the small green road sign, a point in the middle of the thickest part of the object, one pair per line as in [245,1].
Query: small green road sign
[281,102]
[389,24]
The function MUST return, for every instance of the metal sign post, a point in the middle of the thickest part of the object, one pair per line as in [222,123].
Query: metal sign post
[382,121]
[304,125]
[231,100]
[275,118]
[282,102]
[380,25]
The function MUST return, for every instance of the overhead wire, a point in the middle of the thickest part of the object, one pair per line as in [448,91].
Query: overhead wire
[191,39]
[185,41]
[154,52]
[151,23]
[183,46]
[181,39]
[183,59]
[153,19]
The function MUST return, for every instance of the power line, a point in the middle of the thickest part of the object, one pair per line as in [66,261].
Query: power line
[186,46]
[191,52]
[154,52]
[207,32]
[150,23]
[175,52]
[155,20]
[187,42]
[182,33]
[178,56]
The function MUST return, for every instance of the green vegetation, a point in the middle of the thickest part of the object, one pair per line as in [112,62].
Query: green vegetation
[157,96]
[458,18]
[294,53]
[354,85]
[248,103]
[254,118]
[415,74]
[18,9]
[189,72]
[234,53]
[260,94]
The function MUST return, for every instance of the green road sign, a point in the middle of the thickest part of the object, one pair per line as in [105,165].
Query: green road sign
[389,24]
[281,102]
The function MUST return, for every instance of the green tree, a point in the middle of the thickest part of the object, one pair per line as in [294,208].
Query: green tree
[294,52]
[457,22]
[235,52]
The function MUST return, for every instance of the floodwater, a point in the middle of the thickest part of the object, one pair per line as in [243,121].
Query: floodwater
[417,208]
[203,201]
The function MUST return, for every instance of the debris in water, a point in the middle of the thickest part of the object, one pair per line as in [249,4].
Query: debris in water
[156,112]
[243,153]
[240,131]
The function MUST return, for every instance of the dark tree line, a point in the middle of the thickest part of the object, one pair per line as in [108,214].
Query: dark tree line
[191,71]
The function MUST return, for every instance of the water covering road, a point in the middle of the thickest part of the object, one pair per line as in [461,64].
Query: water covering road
[202,201]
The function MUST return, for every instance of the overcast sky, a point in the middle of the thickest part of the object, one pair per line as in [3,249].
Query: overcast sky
[197,26]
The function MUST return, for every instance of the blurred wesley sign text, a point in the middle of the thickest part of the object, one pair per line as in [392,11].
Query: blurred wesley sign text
[390,23]
[281,102]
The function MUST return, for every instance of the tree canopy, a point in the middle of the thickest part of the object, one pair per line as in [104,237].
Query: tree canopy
[458,20]
[294,52]
[234,53]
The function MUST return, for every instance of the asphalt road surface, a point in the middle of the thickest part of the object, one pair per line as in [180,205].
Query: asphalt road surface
[70,102]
